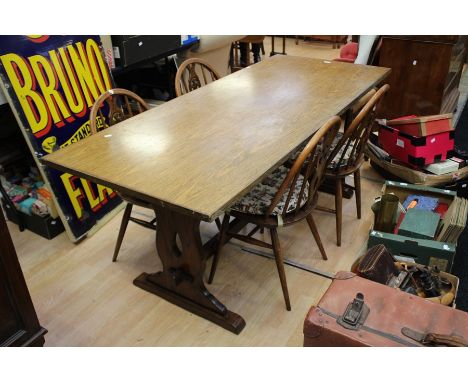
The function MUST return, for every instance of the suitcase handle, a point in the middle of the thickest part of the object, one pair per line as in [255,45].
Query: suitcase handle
[433,339]
[442,339]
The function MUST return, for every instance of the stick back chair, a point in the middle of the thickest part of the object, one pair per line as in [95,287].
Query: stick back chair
[348,155]
[285,197]
[121,104]
[193,74]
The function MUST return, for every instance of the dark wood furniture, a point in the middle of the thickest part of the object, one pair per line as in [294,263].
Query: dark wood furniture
[121,104]
[426,72]
[195,156]
[286,197]
[240,52]
[348,156]
[335,40]
[19,325]
[283,42]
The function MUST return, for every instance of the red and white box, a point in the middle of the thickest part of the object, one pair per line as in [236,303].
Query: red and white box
[422,126]
[416,151]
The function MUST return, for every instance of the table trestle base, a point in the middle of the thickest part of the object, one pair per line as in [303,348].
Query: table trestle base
[184,261]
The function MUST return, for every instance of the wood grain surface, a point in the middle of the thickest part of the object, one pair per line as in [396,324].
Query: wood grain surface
[200,152]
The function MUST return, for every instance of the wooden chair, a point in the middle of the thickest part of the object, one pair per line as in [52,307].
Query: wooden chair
[285,197]
[348,154]
[121,104]
[193,74]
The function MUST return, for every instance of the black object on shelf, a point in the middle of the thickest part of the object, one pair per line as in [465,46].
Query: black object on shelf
[46,227]
[138,49]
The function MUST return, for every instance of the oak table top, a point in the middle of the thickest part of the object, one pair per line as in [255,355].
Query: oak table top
[200,152]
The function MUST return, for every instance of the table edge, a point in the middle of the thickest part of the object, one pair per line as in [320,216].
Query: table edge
[202,216]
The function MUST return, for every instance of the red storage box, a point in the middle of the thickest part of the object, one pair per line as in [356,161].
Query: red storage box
[422,126]
[416,151]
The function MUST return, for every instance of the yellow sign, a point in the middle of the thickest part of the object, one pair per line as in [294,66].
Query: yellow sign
[49,144]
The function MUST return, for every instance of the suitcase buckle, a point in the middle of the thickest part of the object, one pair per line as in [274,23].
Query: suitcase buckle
[355,314]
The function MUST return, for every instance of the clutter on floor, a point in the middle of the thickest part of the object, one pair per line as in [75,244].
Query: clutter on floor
[427,282]
[419,150]
[27,200]
[418,223]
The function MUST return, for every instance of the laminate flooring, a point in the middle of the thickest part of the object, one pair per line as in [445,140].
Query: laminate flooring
[84,299]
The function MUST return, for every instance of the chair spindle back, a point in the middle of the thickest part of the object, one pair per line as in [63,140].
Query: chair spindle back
[308,170]
[193,74]
[350,148]
[122,104]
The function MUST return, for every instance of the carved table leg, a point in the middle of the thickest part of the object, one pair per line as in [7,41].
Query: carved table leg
[181,280]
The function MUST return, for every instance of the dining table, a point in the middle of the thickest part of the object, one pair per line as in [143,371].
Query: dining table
[193,157]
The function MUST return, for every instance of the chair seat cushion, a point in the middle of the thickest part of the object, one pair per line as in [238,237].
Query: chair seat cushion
[294,156]
[258,200]
[334,162]
[333,165]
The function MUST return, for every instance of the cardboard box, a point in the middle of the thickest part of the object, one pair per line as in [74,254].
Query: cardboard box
[421,251]
[416,151]
[439,299]
[411,250]
[403,190]
[423,126]
[415,176]
[452,278]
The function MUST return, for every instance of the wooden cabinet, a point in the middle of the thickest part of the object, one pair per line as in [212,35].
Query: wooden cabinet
[426,71]
[19,325]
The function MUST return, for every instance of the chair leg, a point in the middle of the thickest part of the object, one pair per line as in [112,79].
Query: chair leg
[123,228]
[280,266]
[357,189]
[222,234]
[338,209]
[314,230]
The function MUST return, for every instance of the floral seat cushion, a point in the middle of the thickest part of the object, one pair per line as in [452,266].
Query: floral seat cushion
[334,162]
[258,200]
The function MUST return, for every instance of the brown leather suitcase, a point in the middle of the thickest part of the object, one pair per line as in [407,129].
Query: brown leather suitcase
[358,312]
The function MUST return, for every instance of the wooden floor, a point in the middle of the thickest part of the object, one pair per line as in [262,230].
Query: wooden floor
[84,299]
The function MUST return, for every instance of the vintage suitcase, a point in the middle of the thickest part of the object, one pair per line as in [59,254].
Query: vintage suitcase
[359,312]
